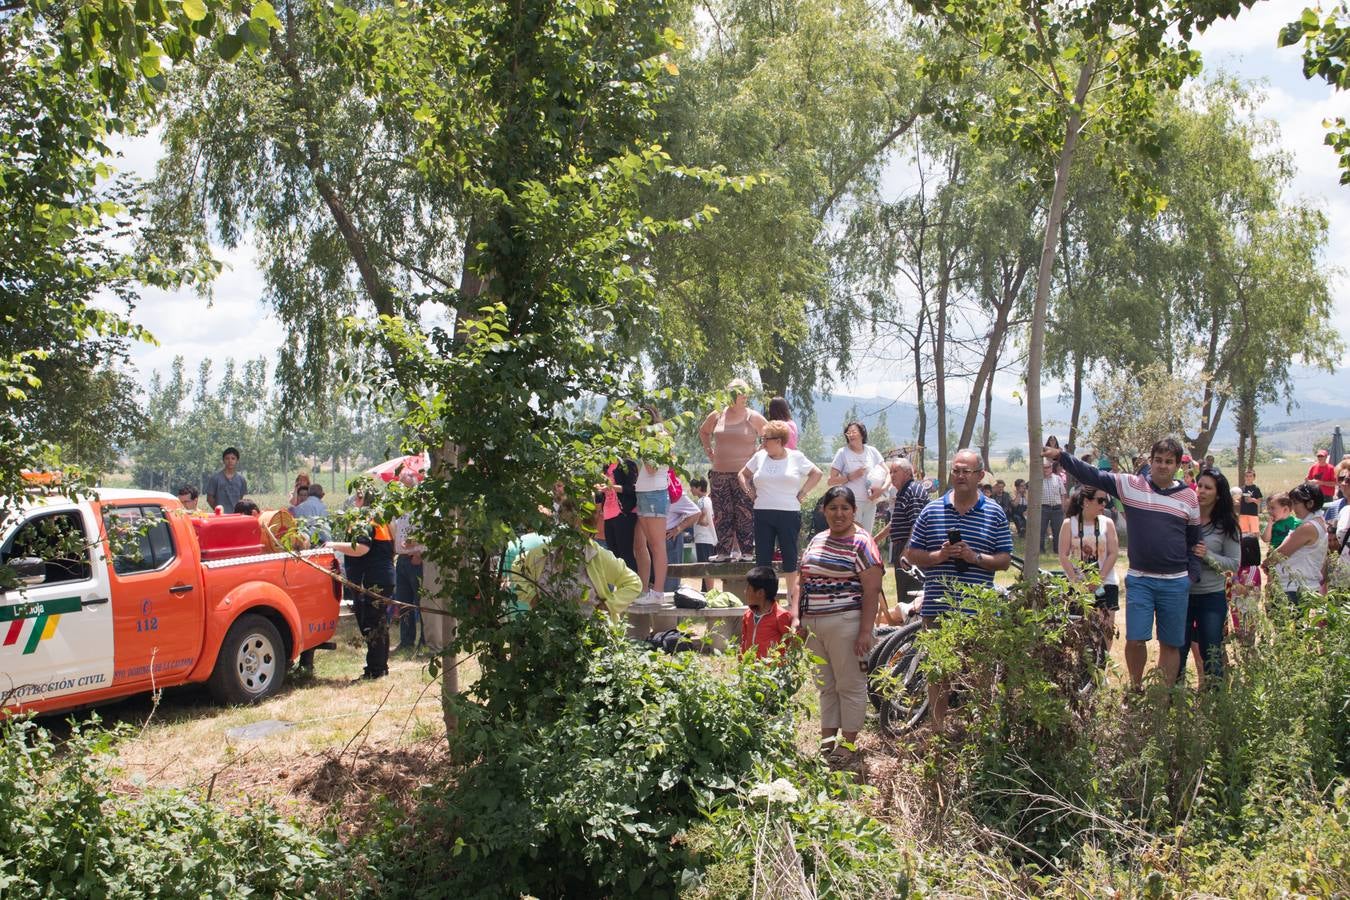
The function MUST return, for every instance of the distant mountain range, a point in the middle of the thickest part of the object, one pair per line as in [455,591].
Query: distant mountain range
[1318,396]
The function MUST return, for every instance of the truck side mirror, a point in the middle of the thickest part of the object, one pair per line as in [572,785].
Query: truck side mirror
[30,570]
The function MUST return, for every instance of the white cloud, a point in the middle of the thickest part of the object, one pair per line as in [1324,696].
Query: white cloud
[1254,31]
[233,323]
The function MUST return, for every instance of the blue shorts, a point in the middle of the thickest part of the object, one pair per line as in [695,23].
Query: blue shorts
[653,504]
[1164,599]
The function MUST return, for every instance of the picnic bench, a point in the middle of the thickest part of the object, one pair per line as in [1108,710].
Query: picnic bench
[723,624]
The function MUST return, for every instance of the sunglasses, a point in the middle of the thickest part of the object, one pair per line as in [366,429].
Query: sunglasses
[1344,479]
[1096,498]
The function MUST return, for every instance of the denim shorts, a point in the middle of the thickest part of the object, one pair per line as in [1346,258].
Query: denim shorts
[1164,599]
[653,504]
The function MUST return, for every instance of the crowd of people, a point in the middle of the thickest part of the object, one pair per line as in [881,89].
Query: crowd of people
[1195,569]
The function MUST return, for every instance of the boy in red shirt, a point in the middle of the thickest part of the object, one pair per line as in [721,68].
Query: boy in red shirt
[766,624]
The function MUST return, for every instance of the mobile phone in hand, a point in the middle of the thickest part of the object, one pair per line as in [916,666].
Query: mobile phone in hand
[954,537]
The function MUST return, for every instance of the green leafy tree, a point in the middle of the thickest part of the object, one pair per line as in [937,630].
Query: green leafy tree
[810,440]
[816,96]
[879,435]
[283,150]
[1136,408]
[1326,37]
[1088,71]
[544,121]
[72,76]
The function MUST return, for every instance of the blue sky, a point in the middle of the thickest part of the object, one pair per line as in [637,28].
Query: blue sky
[236,323]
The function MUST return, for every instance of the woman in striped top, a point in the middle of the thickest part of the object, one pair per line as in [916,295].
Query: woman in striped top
[840,587]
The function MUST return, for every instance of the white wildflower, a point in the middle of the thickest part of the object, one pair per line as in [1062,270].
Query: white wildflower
[778,791]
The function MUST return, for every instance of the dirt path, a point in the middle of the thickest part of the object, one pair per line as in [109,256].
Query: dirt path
[328,743]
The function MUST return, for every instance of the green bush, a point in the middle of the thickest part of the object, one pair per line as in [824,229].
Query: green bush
[1023,669]
[1230,762]
[588,755]
[795,831]
[1063,778]
[65,831]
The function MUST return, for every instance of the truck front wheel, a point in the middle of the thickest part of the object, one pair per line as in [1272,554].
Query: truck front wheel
[252,662]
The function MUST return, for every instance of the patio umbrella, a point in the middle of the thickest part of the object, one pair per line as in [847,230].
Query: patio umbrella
[390,468]
[1337,446]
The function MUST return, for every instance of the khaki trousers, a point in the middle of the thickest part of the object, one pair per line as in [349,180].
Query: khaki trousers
[841,679]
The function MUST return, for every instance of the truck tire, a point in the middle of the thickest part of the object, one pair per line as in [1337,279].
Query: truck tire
[252,662]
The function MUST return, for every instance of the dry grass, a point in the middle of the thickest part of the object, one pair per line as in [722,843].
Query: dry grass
[349,741]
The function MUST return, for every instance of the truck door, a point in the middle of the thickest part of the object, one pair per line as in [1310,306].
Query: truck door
[158,604]
[56,634]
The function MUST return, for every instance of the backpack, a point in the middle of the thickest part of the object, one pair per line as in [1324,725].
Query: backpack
[670,641]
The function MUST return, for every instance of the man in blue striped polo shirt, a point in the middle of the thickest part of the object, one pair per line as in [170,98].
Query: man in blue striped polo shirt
[985,547]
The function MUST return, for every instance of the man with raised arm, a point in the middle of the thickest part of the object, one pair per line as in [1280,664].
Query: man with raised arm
[1163,517]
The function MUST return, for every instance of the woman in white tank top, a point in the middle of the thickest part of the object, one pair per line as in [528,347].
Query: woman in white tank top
[1298,563]
[1087,540]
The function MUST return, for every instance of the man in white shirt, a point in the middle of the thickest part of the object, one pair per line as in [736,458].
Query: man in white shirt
[682,514]
[1054,504]
[705,532]
[407,574]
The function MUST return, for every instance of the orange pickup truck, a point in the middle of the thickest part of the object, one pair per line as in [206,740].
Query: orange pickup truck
[127,592]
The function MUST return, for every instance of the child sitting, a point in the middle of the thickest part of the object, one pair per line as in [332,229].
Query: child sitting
[766,623]
[1282,520]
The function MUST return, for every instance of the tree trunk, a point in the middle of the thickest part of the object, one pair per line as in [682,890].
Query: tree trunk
[922,409]
[989,364]
[988,408]
[1200,446]
[772,380]
[311,150]
[940,327]
[1077,411]
[1246,425]
[1036,346]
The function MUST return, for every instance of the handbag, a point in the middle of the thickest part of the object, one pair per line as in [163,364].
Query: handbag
[689,598]
[673,486]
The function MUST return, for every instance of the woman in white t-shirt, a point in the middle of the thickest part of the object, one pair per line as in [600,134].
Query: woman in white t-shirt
[1087,540]
[850,467]
[777,479]
[1298,562]
[653,502]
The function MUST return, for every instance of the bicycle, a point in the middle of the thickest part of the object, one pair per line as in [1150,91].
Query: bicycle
[899,690]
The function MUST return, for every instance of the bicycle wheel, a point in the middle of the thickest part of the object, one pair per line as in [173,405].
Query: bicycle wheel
[884,656]
[883,638]
[902,712]
[1091,664]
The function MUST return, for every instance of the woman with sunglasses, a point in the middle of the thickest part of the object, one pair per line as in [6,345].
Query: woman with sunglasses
[1220,551]
[1087,541]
